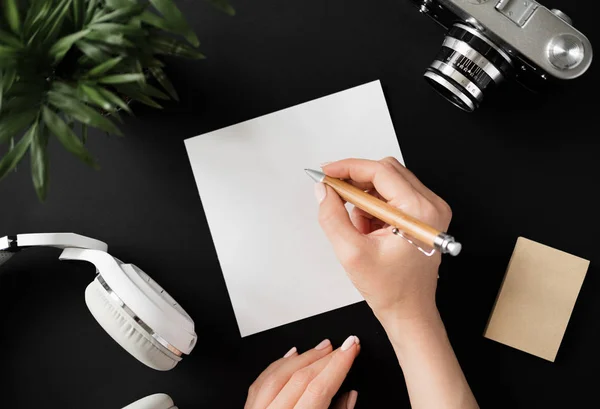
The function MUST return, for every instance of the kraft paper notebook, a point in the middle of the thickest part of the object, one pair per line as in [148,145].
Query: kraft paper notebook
[259,202]
[536,299]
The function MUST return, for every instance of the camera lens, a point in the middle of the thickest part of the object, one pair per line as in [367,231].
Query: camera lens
[468,65]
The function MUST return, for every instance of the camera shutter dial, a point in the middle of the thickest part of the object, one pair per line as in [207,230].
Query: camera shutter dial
[565,51]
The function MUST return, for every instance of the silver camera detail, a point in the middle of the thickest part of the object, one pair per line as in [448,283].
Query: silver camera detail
[492,40]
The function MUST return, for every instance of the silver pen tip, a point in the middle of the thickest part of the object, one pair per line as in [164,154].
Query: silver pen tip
[315,175]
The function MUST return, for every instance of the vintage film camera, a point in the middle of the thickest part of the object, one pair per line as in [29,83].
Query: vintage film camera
[490,40]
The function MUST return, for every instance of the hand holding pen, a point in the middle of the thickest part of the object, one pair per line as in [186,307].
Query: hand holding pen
[387,270]
[398,282]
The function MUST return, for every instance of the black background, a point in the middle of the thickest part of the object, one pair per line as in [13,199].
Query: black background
[524,164]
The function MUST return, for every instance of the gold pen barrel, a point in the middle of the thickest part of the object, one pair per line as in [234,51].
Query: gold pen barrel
[385,212]
[403,223]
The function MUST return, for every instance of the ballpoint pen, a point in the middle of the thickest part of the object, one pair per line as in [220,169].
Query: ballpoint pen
[403,224]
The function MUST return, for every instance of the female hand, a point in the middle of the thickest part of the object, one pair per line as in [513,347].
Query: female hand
[396,280]
[306,381]
[392,275]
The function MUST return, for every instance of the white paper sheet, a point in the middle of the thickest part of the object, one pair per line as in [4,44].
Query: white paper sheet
[277,263]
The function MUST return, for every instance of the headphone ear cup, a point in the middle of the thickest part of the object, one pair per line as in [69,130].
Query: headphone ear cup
[126,331]
[157,401]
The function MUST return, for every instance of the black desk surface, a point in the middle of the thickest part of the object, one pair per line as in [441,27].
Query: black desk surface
[524,164]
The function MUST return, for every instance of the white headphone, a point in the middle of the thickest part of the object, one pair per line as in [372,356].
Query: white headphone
[135,311]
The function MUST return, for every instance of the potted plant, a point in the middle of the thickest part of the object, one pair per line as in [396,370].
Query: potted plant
[66,65]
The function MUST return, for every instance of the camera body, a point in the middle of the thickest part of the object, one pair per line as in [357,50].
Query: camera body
[492,40]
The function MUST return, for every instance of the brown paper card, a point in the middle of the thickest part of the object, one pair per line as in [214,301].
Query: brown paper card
[536,299]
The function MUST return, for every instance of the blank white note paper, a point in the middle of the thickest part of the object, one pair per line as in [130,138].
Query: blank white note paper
[259,202]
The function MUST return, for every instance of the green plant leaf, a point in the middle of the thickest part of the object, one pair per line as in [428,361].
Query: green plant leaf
[62,46]
[39,160]
[223,5]
[84,133]
[157,21]
[104,67]
[93,51]
[69,121]
[116,115]
[96,97]
[26,88]
[66,136]
[115,28]
[176,20]
[121,13]
[11,13]
[77,13]
[135,22]
[89,12]
[8,53]
[164,81]
[118,4]
[1,89]
[170,46]
[11,125]
[63,88]
[36,15]
[106,37]
[51,26]
[14,156]
[10,40]
[82,113]
[114,99]
[21,103]
[137,95]
[154,92]
[140,70]
[8,78]
[153,63]
[121,78]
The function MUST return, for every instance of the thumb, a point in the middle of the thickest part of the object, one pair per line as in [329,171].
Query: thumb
[335,220]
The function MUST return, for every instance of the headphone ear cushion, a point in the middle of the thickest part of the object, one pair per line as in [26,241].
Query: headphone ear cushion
[126,331]
[157,401]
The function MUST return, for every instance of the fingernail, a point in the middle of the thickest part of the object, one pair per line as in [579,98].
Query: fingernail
[320,191]
[352,397]
[323,344]
[325,164]
[351,340]
[290,352]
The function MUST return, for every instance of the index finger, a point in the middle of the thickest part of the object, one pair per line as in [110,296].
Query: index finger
[390,184]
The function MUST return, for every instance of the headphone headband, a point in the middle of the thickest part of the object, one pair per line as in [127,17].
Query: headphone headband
[59,240]
[9,245]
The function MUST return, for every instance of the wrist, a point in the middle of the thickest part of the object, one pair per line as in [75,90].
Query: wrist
[407,327]
[407,313]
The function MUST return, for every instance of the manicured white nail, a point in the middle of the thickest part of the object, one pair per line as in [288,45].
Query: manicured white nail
[352,397]
[325,164]
[351,340]
[320,191]
[323,344]
[290,352]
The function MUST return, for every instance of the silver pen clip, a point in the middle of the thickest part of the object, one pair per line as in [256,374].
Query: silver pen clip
[401,234]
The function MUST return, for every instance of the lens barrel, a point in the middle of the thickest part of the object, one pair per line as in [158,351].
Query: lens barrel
[468,65]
